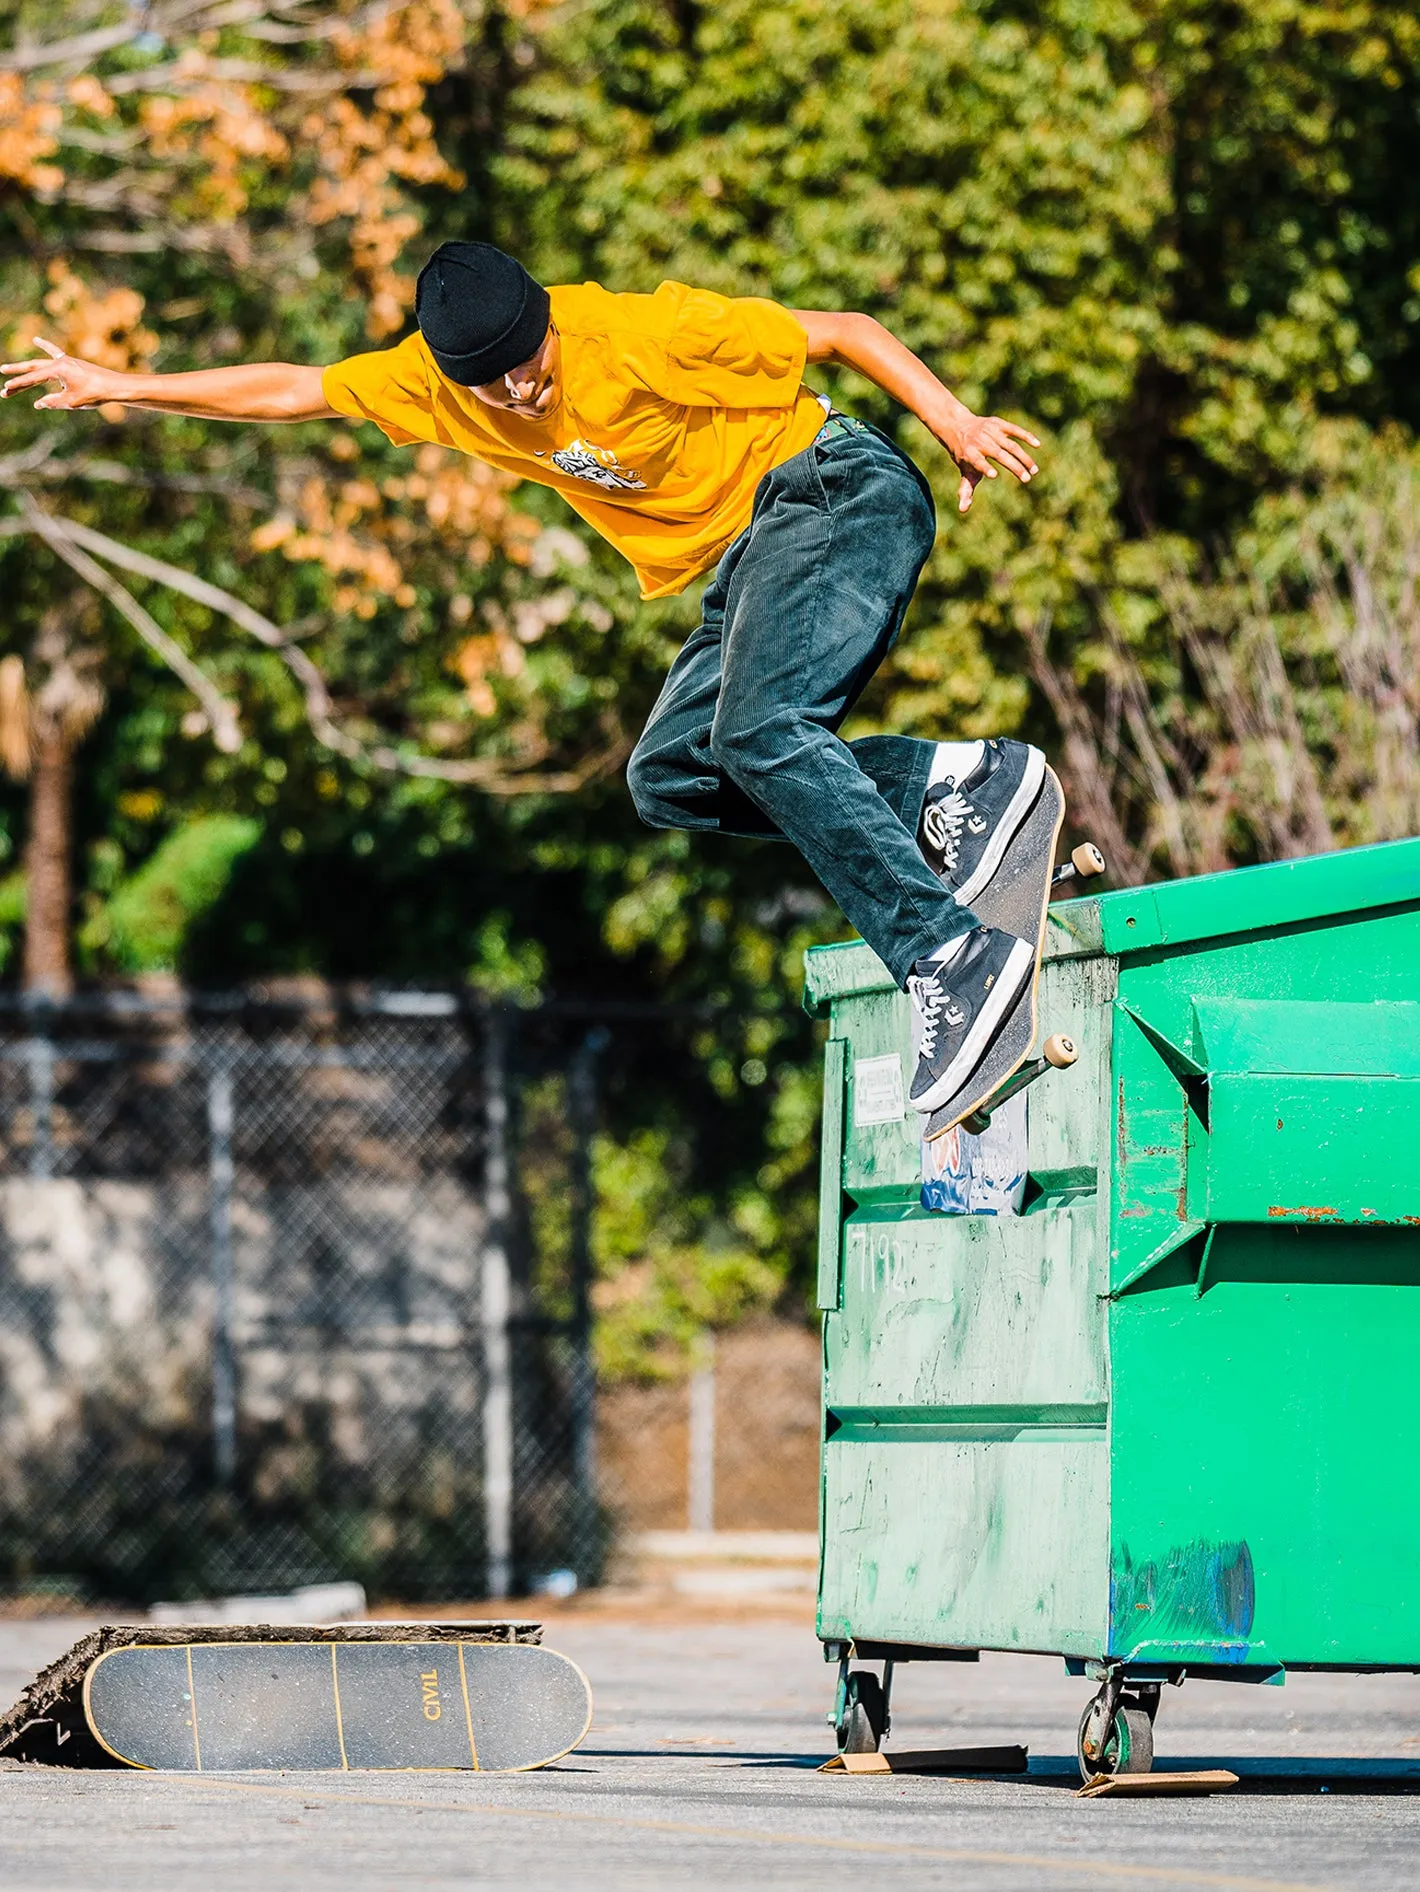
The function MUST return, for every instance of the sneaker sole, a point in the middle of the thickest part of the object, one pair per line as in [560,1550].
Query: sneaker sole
[1007,829]
[1016,974]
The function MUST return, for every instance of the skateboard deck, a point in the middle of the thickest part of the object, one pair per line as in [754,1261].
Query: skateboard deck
[1017,900]
[398,1706]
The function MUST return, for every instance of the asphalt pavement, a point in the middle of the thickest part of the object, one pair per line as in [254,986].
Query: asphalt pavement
[700,1771]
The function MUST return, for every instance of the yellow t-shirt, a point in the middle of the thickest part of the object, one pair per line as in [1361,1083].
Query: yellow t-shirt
[674,407]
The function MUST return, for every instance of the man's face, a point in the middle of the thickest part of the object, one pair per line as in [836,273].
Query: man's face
[532,389]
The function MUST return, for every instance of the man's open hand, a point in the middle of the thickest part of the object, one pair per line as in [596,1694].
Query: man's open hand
[75,383]
[974,442]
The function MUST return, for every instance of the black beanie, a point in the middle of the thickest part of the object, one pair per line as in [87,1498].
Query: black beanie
[479,311]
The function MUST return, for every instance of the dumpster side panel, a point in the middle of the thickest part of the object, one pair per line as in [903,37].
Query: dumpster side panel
[979,1313]
[967,1543]
[1069,1110]
[1265,1499]
[882,1137]
[965,1460]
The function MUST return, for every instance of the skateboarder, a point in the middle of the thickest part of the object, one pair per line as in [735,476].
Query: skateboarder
[677,424]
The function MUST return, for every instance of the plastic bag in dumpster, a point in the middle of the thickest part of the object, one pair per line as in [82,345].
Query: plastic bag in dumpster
[964,1174]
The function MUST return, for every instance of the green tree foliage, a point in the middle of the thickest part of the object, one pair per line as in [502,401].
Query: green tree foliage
[1169,235]
[1176,238]
[200,193]
[144,924]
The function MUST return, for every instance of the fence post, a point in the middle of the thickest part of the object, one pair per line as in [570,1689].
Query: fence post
[39,1054]
[220,1177]
[496,1307]
[582,1110]
[701,1453]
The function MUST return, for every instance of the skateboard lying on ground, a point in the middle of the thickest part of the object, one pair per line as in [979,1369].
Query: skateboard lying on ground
[208,1706]
[1017,900]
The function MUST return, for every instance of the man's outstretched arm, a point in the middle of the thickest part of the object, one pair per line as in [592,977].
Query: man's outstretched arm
[861,343]
[261,390]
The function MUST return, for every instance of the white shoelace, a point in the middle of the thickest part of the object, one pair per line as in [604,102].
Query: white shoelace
[943,821]
[935,1006]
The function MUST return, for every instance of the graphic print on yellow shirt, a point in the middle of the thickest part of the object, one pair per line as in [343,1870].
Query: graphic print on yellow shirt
[597,464]
[674,407]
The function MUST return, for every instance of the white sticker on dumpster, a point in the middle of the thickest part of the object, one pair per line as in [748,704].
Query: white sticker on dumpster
[877,1091]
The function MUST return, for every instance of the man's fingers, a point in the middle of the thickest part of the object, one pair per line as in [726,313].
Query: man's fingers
[994,440]
[1013,463]
[29,370]
[1000,441]
[29,377]
[41,370]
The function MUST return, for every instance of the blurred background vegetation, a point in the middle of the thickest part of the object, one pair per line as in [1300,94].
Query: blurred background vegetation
[289,700]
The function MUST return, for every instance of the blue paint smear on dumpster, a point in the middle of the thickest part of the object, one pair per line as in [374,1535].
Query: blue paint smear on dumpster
[1199,1593]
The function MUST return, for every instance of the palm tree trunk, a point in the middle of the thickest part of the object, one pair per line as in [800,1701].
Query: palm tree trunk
[48,865]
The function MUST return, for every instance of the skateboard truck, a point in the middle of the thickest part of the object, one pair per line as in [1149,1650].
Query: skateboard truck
[1084,863]
[1058,1053]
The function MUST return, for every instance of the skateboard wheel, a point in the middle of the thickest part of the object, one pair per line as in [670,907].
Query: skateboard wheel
[1059,1050]
[1087,860]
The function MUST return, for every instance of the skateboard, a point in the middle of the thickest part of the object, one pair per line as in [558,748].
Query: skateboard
[1017,900]
[202,1707]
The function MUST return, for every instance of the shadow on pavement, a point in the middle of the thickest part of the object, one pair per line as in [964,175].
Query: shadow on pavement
[1257,1774]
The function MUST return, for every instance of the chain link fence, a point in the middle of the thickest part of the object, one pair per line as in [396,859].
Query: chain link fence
[263,1317]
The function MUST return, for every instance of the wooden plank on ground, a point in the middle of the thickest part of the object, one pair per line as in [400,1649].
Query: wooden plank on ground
[937,1760]
[1122,1786]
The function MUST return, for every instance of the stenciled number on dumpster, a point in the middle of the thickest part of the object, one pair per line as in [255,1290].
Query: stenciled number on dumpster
[876,1262]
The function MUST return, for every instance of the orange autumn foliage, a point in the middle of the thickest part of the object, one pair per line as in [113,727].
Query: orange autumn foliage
[199,131]
[101,325]
[364,534]
[223,127]
[28,124]
[363,152]
[292,158]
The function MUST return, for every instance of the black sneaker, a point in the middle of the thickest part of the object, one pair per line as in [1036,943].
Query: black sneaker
[959,1006]
[967,826]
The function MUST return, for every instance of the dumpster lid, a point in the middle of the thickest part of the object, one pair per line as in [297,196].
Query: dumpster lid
[1173,913]
[1259,899]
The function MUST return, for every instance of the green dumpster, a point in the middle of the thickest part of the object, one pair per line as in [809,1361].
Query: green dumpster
[1161,1421]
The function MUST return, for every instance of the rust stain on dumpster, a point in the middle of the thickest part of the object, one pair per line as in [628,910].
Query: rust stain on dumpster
[1304,1212]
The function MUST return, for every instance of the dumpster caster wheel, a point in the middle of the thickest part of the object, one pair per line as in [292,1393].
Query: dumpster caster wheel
[864,1714]
[1122,1744]
[1059,1051]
